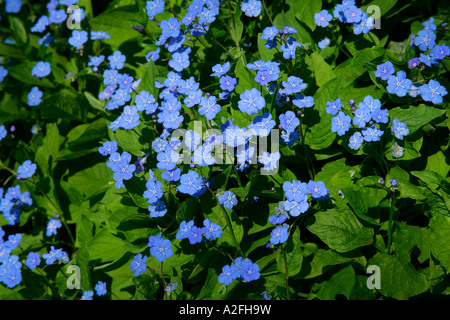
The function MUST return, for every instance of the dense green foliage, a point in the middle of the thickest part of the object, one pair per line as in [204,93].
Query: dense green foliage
[404,229]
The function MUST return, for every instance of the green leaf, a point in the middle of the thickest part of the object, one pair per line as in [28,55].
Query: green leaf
[245,77]
[415,117]
[64,104]
[341,283]
[18,30]
[105,247]
[323,260]
[304,11]
[399,280]
[440,239]
[322,70]
[148,80]
[362,199]
[341,230]
[136,188]
[117,22]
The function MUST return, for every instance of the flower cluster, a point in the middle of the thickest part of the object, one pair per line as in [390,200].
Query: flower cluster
[188,230]
[241,269]
[13,202]
[10,266]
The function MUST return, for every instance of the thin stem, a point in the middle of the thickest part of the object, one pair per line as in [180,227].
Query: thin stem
[286,273]
[267,12]
[66,226]
[232,25]
[223,212]
[163,280]
[391,222]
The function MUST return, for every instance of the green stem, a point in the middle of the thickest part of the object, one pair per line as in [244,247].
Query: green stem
[267,12]
[286,273]
[391,222]
[232,25]
[224,214]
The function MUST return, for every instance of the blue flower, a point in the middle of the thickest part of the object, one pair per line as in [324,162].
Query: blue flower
[41,24]
[228,275]
[385,70]
[362,115]
[227,83]
[380,116]
[269,33]
[211,230]
[397,151]
[322,18]
[195,235]
[293,85]
[179,61]
[57,16]
[99,35]
[262,77]
[54,255]
[251,8]
[340,123]
[52,226]
[279,235]
[170,27]
[228,199]
[356,141]
[87,295]
[249,270]
[353,14]
[3,73]
[288,121]
[190,183]
[370,103]
[108,148]
[13,6]
[129,118]
[162,249]
[154,191]
[171,175]
[183,231]
[138,264]
[270,160]
[95,62]
[116,60]
[333,107]
[220,70]
[26,170]
[209,108]
[399,84]
[364,25]
[42,69]
[399,129]
[154,7]
[425,39]
[157,209]
[251,101]
[34,97]
[289,48]
[294,190]
[100,288]
[372,134]
[324,43]
[262,125]
[33,260]
[317,190]
[432,91]
[302,101]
